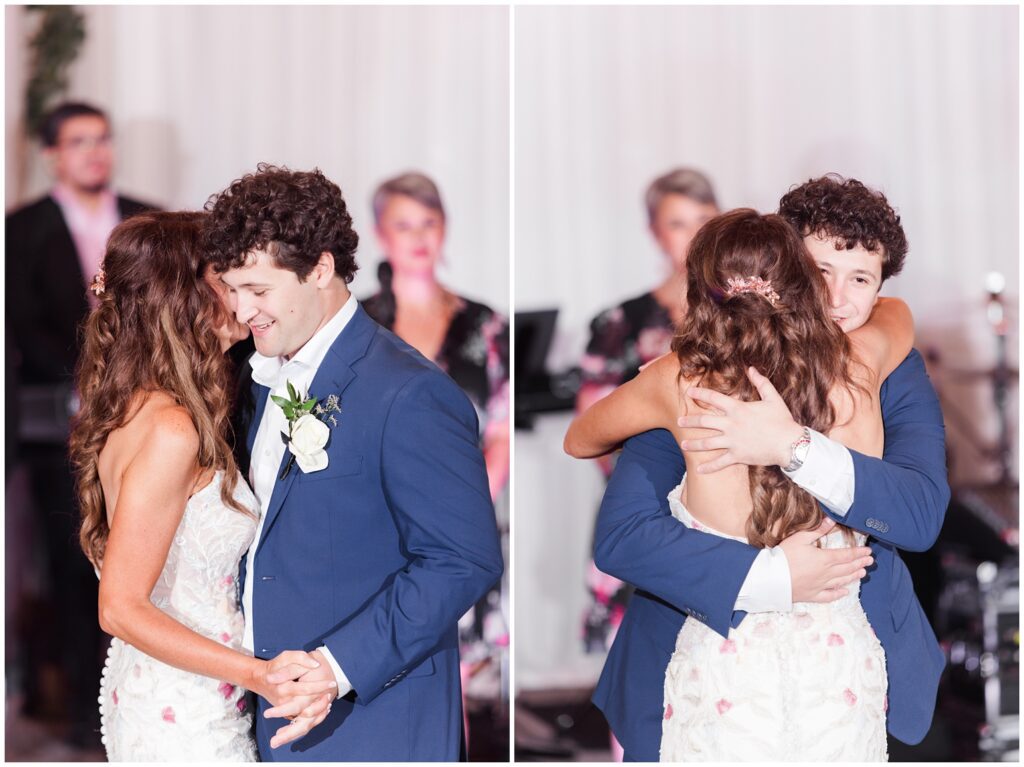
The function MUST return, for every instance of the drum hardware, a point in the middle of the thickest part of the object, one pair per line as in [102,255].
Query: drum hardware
[1001,376]
[1000,662]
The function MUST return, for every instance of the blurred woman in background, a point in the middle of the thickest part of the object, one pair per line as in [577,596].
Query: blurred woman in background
[470,342]
[466,339]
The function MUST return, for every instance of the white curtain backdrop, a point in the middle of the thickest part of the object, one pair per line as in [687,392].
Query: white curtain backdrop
[200,94]
[920,102]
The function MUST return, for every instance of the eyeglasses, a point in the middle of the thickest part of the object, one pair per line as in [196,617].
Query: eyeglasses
[84,143]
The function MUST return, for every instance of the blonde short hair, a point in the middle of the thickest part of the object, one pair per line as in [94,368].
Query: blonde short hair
[685,181]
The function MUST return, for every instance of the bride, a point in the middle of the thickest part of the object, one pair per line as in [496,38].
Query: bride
[805,685]
[166,517]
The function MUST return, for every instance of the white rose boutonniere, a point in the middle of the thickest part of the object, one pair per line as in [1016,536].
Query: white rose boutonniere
[307,434]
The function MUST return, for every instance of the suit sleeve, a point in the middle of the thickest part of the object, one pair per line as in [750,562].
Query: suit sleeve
[638,540]
[436,488]
[901,499]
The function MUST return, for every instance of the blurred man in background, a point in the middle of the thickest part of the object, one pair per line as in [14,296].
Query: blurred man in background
[55,246]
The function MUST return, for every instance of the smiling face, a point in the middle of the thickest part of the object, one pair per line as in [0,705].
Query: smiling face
[853,276]
[83,157]
[410,234]
[675,223]
[282,311]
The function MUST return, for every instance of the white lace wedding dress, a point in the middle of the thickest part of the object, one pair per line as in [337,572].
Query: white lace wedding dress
[154,712]
[809,685]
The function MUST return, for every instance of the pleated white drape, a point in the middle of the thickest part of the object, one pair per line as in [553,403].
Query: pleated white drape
[200,94]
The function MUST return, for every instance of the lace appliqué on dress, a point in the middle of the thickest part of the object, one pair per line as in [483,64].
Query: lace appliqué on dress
[154,712]
[808,685]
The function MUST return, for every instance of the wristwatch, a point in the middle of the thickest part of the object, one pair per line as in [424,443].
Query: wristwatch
[798,451]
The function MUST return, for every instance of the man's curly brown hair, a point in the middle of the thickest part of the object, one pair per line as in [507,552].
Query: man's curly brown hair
[848,213]
[292,215]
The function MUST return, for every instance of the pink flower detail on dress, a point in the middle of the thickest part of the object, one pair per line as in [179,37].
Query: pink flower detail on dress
[168,715]
[229,580]
[728,647]
[849,697]
[137,670]
[804,620]
[694,674]
[225,637]
[114,696]
[885,703]
[668,712]
[225,689]
[834,640]
[723,705]
[241,705]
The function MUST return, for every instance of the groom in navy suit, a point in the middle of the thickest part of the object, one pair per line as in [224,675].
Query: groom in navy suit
[899,500]
[376,527]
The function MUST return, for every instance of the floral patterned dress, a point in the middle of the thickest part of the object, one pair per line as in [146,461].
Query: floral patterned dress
[474,353]
[151,711]
[621,340]
[807,685]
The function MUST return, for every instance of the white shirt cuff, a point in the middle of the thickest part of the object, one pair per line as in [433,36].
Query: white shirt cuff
[768,587]
[827,473]
[344,686]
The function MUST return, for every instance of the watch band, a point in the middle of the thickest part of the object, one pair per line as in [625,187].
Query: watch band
[798,451]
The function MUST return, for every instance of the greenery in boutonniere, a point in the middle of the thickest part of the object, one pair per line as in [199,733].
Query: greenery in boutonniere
[307,434]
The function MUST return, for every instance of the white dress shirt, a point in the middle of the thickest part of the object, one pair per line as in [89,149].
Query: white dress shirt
[268,449]
[827,474]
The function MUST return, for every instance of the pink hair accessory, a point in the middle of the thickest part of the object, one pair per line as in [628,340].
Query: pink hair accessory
[99,283]
[737,285]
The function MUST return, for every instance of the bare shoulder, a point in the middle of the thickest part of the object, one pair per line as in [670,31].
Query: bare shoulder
[163,429]
[170,428]
[659,381]
[663,373]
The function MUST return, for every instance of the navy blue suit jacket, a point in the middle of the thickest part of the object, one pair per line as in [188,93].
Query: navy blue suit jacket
[378,555]
[900,500]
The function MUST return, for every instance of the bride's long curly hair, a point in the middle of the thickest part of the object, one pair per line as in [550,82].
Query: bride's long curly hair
[794,343]
[153,330]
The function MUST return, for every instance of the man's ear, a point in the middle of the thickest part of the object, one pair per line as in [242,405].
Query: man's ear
[324,269]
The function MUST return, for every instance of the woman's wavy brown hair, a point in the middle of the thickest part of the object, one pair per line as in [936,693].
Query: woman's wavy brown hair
[153,330]
[794,343]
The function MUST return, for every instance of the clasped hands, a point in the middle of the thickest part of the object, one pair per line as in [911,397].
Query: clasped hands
[300,686]
[761,433]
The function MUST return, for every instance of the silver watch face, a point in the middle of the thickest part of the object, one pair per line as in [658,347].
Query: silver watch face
[800,448]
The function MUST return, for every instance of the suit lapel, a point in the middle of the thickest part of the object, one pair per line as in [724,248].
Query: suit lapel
[334,375]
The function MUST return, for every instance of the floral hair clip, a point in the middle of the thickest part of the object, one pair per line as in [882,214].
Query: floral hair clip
[737,285]
[99,283]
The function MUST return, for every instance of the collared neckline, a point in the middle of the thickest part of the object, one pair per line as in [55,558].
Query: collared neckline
[266,371]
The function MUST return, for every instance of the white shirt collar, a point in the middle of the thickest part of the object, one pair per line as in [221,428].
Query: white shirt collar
[266,371]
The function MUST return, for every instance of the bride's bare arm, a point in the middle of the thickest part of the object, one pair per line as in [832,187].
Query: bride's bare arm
[647,402]
[885,340]
[151,502]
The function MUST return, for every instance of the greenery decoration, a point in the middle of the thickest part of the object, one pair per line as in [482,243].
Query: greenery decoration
[54,47]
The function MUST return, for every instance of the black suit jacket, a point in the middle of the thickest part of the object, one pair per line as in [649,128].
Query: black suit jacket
[46,290]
